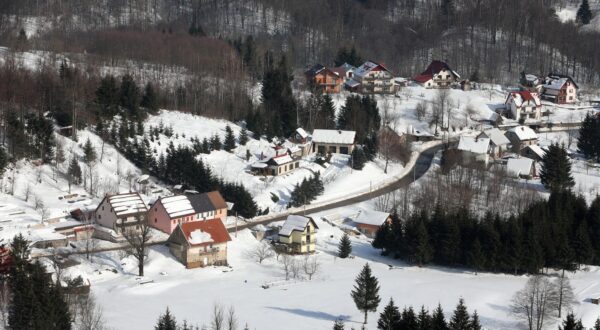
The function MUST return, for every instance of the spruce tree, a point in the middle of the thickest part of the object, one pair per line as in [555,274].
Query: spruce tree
[229,143]
[588,142]
[338,325]
[74,171]
[597,324]
[215,142]
[571,324]
[556,169]
[584,14]
[409,319]
[460,319]
[129,97]
[150,99]
[326,117]
[89,153]
[243,138]
[379,242]
[438,320]
[166,321]
[390,318]
[107,97]
[424,319]
[476,258]
[359,159]
[4,159]
[366,292]
[345,247]
[475,324]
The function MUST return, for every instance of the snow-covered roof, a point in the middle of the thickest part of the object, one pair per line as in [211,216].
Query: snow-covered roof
[301,132]
[281,159]
[556,83]
[537,150]
[524,133]
[521,97]
[198,237]
[293,223]
[125,204]
[177,206]
[519,166]
[474,144]
[367,67]
[259,165]
[371,217]
[332,136]
[496,136]
[352,83]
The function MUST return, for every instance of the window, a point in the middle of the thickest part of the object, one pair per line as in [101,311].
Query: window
[99,216]
[155,209]
[102,208]
[155,220]
[570,98]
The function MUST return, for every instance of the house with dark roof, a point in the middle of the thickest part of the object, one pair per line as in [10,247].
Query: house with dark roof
[560,89]
[524,105]
[437,75]
[323,79]
[200,243]
[277,165]
[169,212]
[121,210]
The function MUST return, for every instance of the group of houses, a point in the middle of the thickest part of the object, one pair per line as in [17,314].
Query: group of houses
[517,147]
[555,87]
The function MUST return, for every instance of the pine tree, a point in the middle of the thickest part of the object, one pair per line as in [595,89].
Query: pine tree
[215,142]
[380,242]
[597,324]
[425,322]
[74,171]
[205,146]
[409,319]
[338,325]
[584,252]
[243,138]
[89,154]
[150,99]
[345,247]
[107,96]
[166,322]
[476,258]
[390,318]
[588,142]
[460,320]
[584,14]
[326,118]
[229,139]
[4,159]
[556,169]
[438,321]
[475,324]
[359,159]
[570,324]
[366,292]
[129,97]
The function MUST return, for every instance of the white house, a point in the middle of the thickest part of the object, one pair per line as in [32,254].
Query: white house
[521,136]
[524,105]
[534,152]
[520,167]
[437,75]
[333,141]
[474,148]
[498,141]
[560,89]
[374,78]
[116,211]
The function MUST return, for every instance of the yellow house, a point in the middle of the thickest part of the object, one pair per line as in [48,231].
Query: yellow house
[299,233]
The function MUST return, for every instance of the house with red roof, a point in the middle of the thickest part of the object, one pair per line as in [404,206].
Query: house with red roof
[372,78]
[200,243]
[437,75]
[524,105]
[560,89]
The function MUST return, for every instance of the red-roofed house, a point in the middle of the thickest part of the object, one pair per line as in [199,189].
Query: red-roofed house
[200,243]
[437,75]
[373,78]
[560,89]
[524,105]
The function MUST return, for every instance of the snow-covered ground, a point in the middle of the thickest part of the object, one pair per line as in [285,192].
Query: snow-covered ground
[569,13]
[315,304]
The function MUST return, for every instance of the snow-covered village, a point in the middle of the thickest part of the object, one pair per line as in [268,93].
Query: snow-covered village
[301,165]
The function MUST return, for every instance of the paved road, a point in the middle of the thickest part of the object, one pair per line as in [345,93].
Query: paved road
[421,167]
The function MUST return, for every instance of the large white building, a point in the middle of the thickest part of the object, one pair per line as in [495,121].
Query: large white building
[333,141]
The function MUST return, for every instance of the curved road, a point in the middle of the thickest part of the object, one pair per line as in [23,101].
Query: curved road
[421,167]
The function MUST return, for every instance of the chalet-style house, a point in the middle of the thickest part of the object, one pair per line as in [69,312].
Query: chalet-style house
[168,212]
[524,105]
[560,89]
[534,152]
[437,75]
[372,78]
[300,136]
[368,221]
[345,71]
[333,141]
[520,168]
[298,233]
[122,210]
[200,243]
[474,149]
[520,137]
[324,79]
[499,144]
[277,165]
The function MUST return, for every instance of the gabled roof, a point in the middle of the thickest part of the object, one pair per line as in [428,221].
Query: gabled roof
[521,97]
[217,200]
[496,136]
[371,217]
[280,160]
[315,69]
[434,68]
[557,80]
[333,136]
[126,204]
[295,223]
[536,150]
[369,66]
[205,232]
[474,144]
[519,166]
[182,205]
[524,133]
[301,132]
[177,206]
[201,203]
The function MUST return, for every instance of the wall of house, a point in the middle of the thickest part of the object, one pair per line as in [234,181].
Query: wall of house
[104,215]
[327,82]
[201,256]
[159,219]
[443,78]
[570,93]
[367,230]
[333,148]
[298,240]
[285,168]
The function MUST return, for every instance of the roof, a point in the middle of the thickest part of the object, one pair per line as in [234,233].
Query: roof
[496,136]
[369,66]
[294,223]
[371,217]
[301,132]
[333,136]
[519,166]
[521,97]
[280,160]
[177,206]
[205,232]
[536,150]
[557,80]
[217,200]
[434,68]
[181,205]
[313,70]
[524,133]
[201,203]
[259,165]
[474,144]
[352,83]
[125,204]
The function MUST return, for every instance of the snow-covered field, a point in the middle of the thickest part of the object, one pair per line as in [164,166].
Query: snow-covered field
[569,13]
[315,304]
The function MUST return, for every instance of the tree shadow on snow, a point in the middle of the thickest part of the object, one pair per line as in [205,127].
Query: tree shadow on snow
[314,314]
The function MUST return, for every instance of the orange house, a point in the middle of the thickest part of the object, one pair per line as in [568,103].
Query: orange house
[324,79]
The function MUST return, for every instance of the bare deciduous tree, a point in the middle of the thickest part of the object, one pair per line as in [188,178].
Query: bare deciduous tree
[232,322]
[310,266]
[536,302]
[137,235]
[261,252]
[566,298]
[217,318]
[88,315]
[287,262]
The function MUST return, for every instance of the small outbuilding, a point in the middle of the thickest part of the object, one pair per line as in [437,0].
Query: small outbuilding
[333,141]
